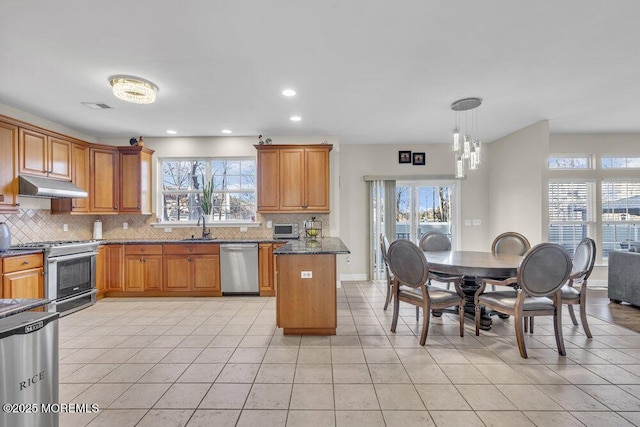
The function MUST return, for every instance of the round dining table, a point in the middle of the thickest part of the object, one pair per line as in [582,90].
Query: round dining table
[474,266]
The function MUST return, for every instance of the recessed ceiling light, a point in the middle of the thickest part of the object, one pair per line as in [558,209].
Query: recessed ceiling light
[225,131]
[295,118]
[289,92]
[171,132]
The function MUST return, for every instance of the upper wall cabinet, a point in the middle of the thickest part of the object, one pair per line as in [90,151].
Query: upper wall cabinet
[103,183]
[293,178]
[135,180]
[8,167]
[44,155]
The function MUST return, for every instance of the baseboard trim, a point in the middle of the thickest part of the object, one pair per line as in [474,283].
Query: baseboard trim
[351,277]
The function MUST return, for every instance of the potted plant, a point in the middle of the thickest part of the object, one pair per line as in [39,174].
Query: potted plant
[206,199]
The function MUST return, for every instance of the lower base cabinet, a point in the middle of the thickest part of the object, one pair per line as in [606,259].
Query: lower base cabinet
[266,268]
[192,268]
[142,268]
[23,277]
[306,306]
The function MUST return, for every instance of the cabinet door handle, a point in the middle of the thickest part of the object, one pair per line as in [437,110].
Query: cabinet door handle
[189,259]
[141,249]
[26,263]
[141,260]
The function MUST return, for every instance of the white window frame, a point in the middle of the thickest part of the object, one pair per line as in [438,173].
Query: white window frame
[207,162]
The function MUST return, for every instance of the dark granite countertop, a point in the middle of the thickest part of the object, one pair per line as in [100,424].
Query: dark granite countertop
[326,245]
[9,307]
[185,241]
[16,252]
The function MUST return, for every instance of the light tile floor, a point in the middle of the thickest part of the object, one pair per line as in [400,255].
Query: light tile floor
[221,361]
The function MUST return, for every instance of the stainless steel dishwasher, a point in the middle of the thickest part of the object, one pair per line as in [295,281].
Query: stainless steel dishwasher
[239,268]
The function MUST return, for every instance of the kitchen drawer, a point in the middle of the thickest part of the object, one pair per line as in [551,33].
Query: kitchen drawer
[143,249]
[195,249]
[21,262]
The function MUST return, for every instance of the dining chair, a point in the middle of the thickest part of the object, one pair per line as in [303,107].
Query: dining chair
[584,259]
[510,243]
[410,276]
[538,282]
[435,241]
[384,246]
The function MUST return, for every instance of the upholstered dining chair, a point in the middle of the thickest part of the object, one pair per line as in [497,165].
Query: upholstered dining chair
[509,243]
[583,260]
[538,282]
[384,247]
[435,241]
[410,276]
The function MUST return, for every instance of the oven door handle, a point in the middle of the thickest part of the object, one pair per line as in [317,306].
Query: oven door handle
[75,297]
[74,256]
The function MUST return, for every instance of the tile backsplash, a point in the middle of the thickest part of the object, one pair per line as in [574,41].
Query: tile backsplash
[32,225]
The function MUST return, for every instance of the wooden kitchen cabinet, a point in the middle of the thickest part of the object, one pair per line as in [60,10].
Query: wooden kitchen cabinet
[101,271]
[23,277]
[192,268]
[80,175]
[44,155]
[8,168]
[266,268]
[268,180]
[306,305]
[293,178]
[143,268]
[115,268]
[135,180]
[103,182]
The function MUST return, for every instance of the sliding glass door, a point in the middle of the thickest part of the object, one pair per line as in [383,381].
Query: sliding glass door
[415,207]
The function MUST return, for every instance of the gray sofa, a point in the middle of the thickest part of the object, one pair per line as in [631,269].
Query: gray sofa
[624,277]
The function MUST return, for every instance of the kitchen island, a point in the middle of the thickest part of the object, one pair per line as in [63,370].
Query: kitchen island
[306,283]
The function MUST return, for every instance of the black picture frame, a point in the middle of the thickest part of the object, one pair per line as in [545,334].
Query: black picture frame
[419,159]
[404,156]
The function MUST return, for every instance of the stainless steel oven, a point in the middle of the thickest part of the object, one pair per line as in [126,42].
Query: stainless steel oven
[71,281]
[70,273]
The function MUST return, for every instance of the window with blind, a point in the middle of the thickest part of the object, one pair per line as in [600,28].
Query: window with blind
[570,212]
[620,215]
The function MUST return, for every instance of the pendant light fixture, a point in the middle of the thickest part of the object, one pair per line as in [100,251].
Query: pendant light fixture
[467,145]
[133,89]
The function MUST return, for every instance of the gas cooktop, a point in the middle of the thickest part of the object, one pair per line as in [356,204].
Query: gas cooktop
[50,244]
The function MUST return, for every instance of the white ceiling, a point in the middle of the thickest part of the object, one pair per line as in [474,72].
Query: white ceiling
[367,71]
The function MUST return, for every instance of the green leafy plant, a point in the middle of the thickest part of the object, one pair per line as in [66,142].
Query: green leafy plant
[207,193]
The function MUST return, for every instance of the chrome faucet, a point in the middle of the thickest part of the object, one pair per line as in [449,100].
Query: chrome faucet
[205,231]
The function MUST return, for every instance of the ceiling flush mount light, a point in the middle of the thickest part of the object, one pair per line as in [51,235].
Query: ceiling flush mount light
[289,92]
[172,132]
[295,118]
[226,131]
[133,89]
[466,146]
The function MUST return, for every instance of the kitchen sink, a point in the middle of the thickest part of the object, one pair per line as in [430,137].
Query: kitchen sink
[198,239]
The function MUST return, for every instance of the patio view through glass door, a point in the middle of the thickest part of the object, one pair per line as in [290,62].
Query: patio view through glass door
[421,207]
[418,207]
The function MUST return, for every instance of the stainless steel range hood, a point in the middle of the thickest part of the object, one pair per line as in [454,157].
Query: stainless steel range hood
[50,188]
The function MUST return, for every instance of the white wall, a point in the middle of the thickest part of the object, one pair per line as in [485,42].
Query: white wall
[356,161]
[517,182]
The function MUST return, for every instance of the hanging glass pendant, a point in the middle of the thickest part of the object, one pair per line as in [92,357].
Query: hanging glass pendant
[473,160]
[456,140]
[477,148]
[459,166]
[467,146]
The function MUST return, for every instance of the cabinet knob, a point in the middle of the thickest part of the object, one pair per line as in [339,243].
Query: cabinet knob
[189,259]
[141,260]
[141,249]
[26,263]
